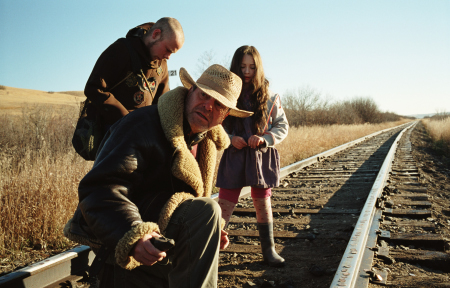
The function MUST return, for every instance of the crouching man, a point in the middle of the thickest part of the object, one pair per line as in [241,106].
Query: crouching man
[153,176]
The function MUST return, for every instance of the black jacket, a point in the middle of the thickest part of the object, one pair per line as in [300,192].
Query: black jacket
[113,65]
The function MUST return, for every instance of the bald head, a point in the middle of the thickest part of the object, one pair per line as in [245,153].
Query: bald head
[164,38]
[170,27]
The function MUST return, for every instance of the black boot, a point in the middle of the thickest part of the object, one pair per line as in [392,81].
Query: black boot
[268,246]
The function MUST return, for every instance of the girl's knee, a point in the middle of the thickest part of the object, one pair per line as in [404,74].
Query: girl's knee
[261,192]
[231,195]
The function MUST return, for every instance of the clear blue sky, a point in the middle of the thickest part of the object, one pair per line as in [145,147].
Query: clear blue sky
[396,52]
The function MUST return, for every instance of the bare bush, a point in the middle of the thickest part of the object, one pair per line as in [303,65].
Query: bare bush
[299,105]
[440,115]
[343,113]
[366,109]
[305,107]
[389,116]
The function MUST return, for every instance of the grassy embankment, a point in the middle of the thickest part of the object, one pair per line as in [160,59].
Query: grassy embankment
[439,131]
[304,142]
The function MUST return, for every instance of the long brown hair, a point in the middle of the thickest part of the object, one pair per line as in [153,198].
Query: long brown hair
[260,86]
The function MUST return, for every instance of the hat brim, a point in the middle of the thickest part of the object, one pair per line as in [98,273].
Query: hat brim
[188,82]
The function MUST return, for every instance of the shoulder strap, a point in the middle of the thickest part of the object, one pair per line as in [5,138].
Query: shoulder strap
[270,113]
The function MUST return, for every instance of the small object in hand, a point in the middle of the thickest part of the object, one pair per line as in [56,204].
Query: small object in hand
[162,243]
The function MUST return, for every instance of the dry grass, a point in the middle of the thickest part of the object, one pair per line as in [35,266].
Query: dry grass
[37,200]
[304,142]
[39,176]
[439,131]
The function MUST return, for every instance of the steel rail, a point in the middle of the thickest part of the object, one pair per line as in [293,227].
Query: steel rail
[70,264]
[349,267]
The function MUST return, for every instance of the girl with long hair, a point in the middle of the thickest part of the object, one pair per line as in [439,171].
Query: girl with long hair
[251,159]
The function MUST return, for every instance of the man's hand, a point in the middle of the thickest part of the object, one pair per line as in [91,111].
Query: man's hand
[144,251]
[238,142]
[254,141]
[224,241]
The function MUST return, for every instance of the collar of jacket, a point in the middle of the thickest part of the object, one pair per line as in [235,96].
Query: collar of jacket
[193,139]
[146,54]
[137,33]
[198,173]
[143,53]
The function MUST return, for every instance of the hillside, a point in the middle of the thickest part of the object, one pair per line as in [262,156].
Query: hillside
[420,116]
[73,93]
[13,100]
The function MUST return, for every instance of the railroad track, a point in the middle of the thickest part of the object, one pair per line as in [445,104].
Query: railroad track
[315,210]
[345,221]
[412,249]
[337,221]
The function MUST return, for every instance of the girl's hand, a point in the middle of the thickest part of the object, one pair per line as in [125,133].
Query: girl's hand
[238,142]
[254,141]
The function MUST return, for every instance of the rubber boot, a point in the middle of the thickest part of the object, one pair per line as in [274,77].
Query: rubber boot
[268,246]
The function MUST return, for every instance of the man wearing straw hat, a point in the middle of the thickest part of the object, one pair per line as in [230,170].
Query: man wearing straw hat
[153,176]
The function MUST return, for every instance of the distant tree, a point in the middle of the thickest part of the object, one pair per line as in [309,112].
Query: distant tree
[300,102]
[440,114]
[343,113]
[208,58]
[305,106]
[366,109]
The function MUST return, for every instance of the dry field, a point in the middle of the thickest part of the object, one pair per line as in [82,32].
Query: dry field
[439,131]
[40,171]
[12,100]
[304,142]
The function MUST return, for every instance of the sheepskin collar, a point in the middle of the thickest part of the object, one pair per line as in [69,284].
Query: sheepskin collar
[196,173]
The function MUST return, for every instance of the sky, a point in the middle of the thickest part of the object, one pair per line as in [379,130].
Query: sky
[396,52]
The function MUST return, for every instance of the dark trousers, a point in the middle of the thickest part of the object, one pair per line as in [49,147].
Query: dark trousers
[193,262]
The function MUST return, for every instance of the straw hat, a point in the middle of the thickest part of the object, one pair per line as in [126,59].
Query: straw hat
[219,83]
